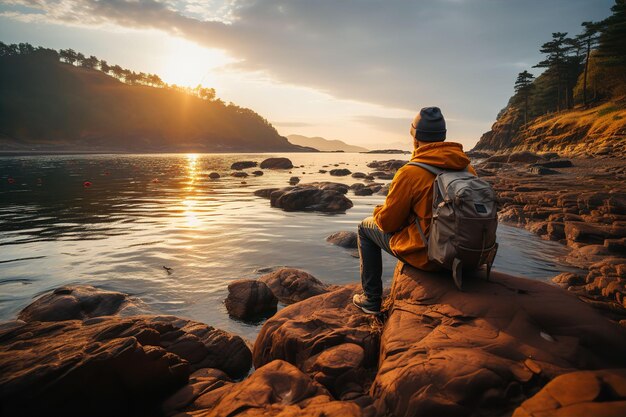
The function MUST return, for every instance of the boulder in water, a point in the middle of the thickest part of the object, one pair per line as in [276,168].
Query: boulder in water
[243,165]
[341,172]
[344,239]
[77,302]
[276,163]
[249,299]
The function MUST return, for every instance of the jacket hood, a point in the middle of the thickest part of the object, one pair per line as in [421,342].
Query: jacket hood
[446,155]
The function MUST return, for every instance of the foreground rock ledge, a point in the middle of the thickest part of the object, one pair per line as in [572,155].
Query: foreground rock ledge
[444,352]
[107,366]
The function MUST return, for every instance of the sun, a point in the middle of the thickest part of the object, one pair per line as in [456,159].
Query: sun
[188,64]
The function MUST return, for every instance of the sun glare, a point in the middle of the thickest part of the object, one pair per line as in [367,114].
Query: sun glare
[187,64]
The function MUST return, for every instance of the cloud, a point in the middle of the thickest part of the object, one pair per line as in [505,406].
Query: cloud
[386,124]
[400,54]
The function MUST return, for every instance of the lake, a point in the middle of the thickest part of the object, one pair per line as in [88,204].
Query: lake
[144,212]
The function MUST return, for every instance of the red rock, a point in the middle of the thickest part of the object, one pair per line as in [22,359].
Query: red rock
[77,302]
[583,393]
[276,389]
[291,285]
[445,352]
[249,298]
[107,366]
[305,329]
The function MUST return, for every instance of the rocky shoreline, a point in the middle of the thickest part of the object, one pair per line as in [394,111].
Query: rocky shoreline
[578,202]
[435,351]
[505,346]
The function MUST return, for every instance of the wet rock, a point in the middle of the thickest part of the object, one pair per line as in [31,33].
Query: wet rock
[344,239]
[364,191]
[524,156]
[584,393]
[109,365]
[327,185]
[307,198]
[305,329]
[243,165]
[257,173]
[277,388]
[382,175]
[556,163]
[239,174]
[384,190]
[567,279]
[78,302]
[265,192]
[214,175]
[538,170]
[291,285]
[294,180]
[249,299]
[342,172]
[446,352]
[322,171]
[276,163]
[586,233]
[358,175]
[391,165]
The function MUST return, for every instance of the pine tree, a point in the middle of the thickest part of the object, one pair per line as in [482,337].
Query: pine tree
[555,61]
[589,38]
[523,86]
[612,46]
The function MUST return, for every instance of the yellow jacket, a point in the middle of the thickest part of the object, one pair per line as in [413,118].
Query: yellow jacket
[410,193]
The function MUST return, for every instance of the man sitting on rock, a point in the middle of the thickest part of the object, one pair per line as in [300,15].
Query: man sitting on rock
[392,226]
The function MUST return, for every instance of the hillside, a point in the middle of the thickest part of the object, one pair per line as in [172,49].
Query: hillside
[598,130]
[577,105]
[48,105]
[324,145]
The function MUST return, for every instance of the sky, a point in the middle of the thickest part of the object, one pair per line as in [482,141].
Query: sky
[353,70]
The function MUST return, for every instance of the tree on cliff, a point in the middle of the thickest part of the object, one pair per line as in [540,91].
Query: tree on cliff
[612,46]
[555,61]
[589,39]
[523,86]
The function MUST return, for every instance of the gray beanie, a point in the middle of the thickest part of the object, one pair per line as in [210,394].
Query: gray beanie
[429,125]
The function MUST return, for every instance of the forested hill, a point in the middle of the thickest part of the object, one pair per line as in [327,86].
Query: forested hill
[63,101]
[577,105]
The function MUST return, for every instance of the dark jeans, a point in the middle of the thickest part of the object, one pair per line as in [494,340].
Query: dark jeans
[371,241]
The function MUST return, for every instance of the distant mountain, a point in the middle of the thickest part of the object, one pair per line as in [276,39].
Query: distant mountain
[324,145]
[49,105]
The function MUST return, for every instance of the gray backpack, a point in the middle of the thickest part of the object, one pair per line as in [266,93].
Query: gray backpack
[464,222]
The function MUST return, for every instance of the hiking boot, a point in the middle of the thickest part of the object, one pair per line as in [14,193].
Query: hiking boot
[368,306]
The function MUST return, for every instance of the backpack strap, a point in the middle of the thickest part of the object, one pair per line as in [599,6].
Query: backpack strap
[433,170]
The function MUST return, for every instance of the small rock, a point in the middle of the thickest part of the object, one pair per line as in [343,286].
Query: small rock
[239,174]
[257,173]
[294,180]
[214,175]
[243,165]
[342,172]
[344,239]
[538,170]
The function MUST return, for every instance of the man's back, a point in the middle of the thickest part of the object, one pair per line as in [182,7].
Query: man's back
[411,194]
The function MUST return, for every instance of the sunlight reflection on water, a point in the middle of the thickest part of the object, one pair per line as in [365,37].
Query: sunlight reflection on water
[143,212]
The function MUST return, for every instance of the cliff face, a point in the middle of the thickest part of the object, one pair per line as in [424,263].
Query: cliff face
[47,105]
[596,131]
